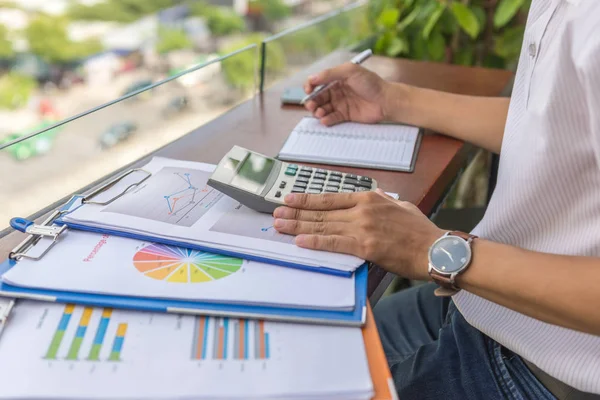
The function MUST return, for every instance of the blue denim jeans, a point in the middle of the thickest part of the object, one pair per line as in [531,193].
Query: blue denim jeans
[434,353]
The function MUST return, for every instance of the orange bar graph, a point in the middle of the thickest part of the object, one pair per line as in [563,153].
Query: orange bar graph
[261,339]
[200,338]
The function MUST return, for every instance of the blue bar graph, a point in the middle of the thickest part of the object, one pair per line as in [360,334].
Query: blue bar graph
[246,339]
[267,345]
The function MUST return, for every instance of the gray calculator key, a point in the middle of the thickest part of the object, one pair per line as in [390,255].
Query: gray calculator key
[365,179]
[348,187]
[313,191]
[297,190]
[321,171]
[335,173]
[353,182]
[347,191]
[351,176]
[334,184]
[332,188]
[305,174]
[303,187]
[322,181]
[320,176]
[336,179]
[364,184]
[308,169]
[316,187]
[362,189]
[302,179]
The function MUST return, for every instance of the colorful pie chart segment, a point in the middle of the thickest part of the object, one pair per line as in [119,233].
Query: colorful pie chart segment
[178,265]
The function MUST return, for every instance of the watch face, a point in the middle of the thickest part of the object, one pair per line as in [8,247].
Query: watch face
[449,254]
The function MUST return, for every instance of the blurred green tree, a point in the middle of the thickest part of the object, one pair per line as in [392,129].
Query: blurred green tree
[6,49]
[15,90]
[118,10]
[172,39]
[47,37]
[240,70]
[467,32]
[273,10]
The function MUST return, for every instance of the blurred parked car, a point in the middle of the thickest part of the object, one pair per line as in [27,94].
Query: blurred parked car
[117,133]
[175,106]
[138,85]
[37,145]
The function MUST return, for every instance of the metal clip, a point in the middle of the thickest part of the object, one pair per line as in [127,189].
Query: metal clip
[36,232]
[27,226]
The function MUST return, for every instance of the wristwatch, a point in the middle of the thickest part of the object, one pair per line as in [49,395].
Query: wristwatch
[449,256]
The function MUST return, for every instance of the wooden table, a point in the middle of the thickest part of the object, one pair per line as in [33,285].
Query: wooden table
[262,124]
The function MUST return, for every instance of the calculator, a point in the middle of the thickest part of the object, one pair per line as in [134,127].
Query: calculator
[260,182]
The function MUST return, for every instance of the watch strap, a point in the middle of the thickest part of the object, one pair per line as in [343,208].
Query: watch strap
[445,281]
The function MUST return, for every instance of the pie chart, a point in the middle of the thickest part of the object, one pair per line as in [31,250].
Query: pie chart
[178,265]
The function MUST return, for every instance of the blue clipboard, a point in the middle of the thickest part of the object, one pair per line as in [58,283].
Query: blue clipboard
[70,206]
[355,317]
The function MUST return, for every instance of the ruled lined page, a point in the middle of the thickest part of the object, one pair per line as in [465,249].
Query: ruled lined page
[381,146]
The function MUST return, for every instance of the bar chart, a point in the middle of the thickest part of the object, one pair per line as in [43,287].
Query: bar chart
[230,339]
[71,339]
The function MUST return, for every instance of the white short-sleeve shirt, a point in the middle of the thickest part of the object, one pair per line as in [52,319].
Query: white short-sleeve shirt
[547,196]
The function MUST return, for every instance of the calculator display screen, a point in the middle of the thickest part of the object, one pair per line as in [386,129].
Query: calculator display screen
[253,173]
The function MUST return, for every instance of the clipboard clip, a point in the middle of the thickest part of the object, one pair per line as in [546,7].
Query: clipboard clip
[87,198]
[36,232]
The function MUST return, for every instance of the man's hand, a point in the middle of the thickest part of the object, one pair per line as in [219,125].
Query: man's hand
[357,95]
[393,234]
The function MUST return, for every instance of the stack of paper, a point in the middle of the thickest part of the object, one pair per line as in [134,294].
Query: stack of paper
[175,206]
[53,351]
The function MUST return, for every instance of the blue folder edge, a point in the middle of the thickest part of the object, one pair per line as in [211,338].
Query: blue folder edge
[355,317]
[324,270]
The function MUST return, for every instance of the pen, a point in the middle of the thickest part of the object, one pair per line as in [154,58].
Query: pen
[358,59]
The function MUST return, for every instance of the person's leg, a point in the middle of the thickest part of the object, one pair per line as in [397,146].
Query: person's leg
[408,320]
[434,353]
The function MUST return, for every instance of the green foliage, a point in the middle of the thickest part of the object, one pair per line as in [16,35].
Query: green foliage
[466,32]
[47,37]
[15,90]
[273,10]
[172,39]
[6,49]
[240,70]
[118,10]
[223,21]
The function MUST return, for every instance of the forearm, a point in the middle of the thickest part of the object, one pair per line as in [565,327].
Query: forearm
[560,290]
[473,119]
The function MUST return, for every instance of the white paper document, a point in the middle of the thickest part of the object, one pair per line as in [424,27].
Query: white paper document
[378,146]
[94,263]
[175,203]
[55,351]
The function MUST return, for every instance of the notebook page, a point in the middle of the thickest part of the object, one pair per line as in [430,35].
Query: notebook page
[371,145]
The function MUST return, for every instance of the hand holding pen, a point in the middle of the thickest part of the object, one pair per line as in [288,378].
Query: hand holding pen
[358,59]
[349,93]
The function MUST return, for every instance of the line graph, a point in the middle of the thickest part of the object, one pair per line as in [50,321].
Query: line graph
[172,195]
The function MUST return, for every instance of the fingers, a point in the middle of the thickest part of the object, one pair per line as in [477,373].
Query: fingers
[325,202]
[333,118]
[384,194]
[332,74]
[295,227]
[333,243]
[323,110]
[312,216]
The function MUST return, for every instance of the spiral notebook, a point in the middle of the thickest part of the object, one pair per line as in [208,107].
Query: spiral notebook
[377,146]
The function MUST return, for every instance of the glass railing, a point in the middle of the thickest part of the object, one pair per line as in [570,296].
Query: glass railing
[60,158]
[294,49]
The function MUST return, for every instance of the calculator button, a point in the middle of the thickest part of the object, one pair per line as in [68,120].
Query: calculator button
[321,171]
[351,176]
[290,172]
[347,191]
[334,178]
[335,173]
[365,179]
[362,189]
[321,181]
[313,191]
[298,189]
[350,182]
[293,166]
[320,176]
[304,174]
[306,169]
[364,184]
[316,187]
[348,187]
[302,179]
[278,194]
[282,184]
[332,188]
[300,184]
